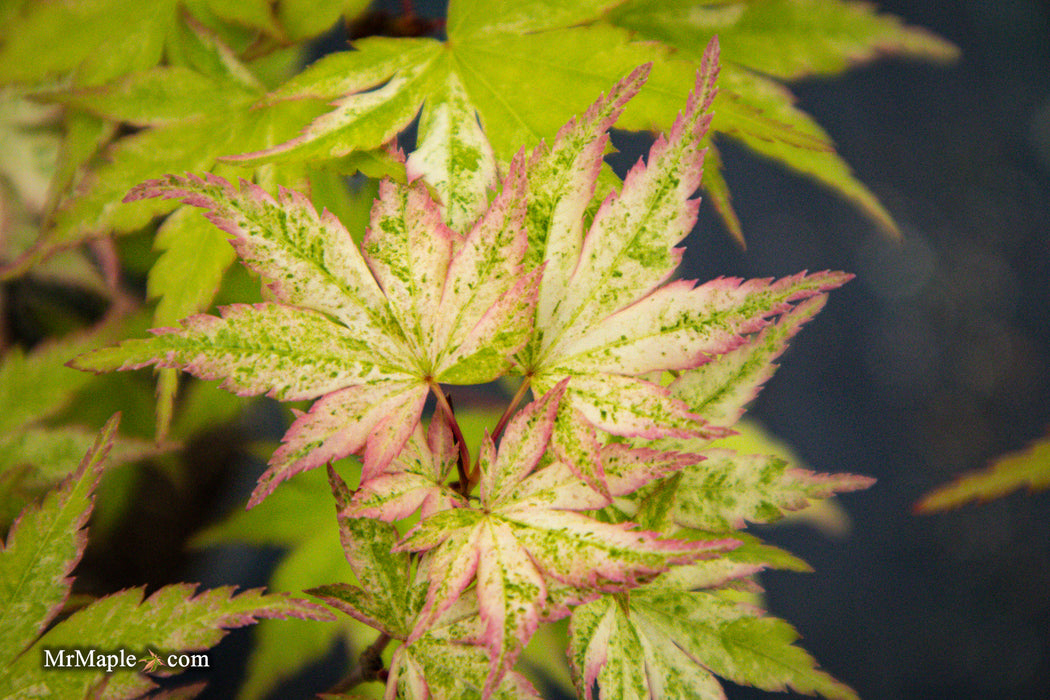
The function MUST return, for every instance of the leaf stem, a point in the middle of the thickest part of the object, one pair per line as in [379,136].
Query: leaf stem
[503,420]
[369,667]
[511,407]
[464,452]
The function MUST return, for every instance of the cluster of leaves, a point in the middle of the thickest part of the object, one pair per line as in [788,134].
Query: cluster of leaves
[451,286]
[605,484]
[197,81]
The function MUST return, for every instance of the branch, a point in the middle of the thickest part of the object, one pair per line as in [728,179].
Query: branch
[369,667]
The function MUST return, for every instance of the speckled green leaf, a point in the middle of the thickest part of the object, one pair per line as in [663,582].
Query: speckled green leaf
[727,489]
[720,389]
[409,250]
[439,669]
[453,155]
[375,416]
[419,303]
[628,251]
[488,301]
[382,597]
[612,649]
[268,348]
[413,271]
[562,180]
[310,258]
[613,322]
[671,644]
[415,479]
[630,247]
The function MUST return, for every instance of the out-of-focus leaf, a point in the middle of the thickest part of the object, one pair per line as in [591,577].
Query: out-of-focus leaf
[786,39]
[302,19]
[1029,468]
[185,278]
[301,518]
[41,551]
[783,39]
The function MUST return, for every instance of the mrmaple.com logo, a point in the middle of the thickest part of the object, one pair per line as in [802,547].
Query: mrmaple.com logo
[112,660]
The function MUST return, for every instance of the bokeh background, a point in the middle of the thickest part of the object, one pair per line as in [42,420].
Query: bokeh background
[931,362]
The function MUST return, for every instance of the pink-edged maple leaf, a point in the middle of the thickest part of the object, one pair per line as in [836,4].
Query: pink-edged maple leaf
[606,315]
[414,480]
[369,332]
[527,536]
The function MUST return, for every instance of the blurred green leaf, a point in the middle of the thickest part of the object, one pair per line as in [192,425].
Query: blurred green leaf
[300,517]
[1029,468]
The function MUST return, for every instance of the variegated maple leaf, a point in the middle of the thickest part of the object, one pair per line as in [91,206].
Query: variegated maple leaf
[448,661]
[526,545]
[415,479]
[606,316]
[370,332]
[666,643]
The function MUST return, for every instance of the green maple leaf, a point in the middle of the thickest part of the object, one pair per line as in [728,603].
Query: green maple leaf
[527,546]
[787,39]
[371,331]
[41,551]
[188,120]
[187,116]
[480,84]
[299,519]
[384,598]
[1029,467]
[95,41]
[35,387]
[776,40]
[664,643]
